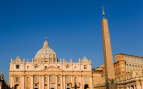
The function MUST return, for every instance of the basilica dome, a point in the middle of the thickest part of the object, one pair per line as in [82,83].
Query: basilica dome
[46,54]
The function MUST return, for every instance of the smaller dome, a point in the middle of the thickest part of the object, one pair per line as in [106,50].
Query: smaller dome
[46,54]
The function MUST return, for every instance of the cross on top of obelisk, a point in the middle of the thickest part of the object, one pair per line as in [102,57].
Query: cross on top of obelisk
[103,13]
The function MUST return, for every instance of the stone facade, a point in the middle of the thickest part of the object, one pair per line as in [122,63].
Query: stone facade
[46,72]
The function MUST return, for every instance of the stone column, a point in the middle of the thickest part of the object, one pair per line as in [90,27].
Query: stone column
[11,82]
[40,82]
[56,82]
[81,82]
[48,82]
[91,85]
[31,78]
[128,87]
[61,82]
[72,81]
[64,82]
[135,87]
[142,84]
[42,85]
[138,84]
[22,82]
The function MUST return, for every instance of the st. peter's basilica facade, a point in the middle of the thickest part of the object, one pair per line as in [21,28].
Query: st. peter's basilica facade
[45,71]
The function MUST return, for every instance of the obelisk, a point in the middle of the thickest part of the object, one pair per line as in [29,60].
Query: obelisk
[108,59]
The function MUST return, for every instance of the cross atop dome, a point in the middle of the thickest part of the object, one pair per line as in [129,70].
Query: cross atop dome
[45,44]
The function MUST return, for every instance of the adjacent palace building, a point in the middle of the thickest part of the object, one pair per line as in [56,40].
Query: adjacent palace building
[46,71]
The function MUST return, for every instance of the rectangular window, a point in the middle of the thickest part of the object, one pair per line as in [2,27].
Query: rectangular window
[85,66]
[17,66]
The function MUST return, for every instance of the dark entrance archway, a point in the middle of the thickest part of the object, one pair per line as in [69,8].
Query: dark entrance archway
[52,88]
[86,86]
[16,86]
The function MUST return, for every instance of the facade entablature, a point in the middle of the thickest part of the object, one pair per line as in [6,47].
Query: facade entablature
[18,65]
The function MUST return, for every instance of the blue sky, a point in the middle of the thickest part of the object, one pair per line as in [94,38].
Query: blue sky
[73,28]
